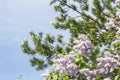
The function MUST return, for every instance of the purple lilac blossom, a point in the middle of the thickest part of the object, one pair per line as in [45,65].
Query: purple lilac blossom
[88,73]
[110,23]
[107,63]
[118,13]
[83,45]
[65,63]
[117,1]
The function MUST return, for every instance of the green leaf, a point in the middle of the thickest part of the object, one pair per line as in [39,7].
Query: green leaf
[118,6]
[66,78]
[73,7]
[117,77]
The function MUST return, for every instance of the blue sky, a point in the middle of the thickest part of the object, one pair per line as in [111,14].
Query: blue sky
[17,17]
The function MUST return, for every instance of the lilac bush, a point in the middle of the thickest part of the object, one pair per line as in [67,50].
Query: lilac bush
[106,64]
[94,49]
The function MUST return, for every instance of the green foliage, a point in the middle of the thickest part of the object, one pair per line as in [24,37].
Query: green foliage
[35,61]
[90,19]
[56,76]
[46,47]
[117,77]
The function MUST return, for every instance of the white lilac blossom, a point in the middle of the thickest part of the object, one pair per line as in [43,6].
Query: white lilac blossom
[83,45]
[66,64]
[88,73]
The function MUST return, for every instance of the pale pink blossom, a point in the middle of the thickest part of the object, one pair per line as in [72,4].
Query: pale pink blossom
[83,45]
[117,1]
[118,14]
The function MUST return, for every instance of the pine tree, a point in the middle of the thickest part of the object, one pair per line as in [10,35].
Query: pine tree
[90,18]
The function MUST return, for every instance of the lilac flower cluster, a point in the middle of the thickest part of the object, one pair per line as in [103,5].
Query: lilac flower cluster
[110,23]
[117,1]
[118,14]
[88,73]
[107,63]
[117,38]
[65,63]
[83,45]
[113,24]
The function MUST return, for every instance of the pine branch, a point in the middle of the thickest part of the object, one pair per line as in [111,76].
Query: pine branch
[79,12]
